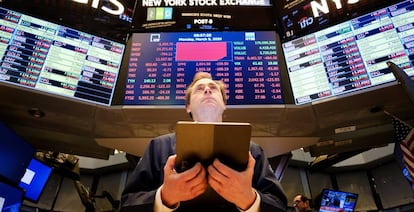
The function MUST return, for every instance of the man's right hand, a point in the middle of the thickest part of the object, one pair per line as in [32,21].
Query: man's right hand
[182,186]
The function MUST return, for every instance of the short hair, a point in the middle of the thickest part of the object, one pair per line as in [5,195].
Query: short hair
[304,198]
[203,75]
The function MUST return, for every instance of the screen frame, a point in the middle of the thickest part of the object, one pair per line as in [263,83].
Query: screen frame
[44,177]
[332,24]
[287,95]
[20,159]
[18,191]
[341,192]
[57,94]
[58,18]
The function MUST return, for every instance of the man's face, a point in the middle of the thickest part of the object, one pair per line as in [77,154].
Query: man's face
[206,102]
[298,204]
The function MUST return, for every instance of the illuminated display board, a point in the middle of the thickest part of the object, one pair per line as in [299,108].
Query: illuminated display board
[334,200]
[352,55]
[11,198]
[110,19]
[162,65]
[34,180]
[196,15]
[300,17]
[48,57]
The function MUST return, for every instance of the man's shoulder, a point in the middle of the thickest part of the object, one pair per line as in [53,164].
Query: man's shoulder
[166,136]
[255,147]
[170,137]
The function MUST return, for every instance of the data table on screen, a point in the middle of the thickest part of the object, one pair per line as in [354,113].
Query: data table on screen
[351,55]
[48,57]
[162,65]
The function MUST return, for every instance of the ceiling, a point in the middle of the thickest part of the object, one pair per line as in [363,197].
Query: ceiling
[84,129]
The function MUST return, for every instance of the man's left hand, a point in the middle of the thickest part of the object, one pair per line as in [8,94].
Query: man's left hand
[234,186]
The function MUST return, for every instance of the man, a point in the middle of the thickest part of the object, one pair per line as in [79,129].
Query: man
[155,186]
[302,204]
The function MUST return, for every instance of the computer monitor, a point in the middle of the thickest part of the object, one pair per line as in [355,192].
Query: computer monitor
[351,56]
[10,198]
[34,180]
[109,18]
[335,200]
[57,60]
[162,64]
[15,155]
[203,15]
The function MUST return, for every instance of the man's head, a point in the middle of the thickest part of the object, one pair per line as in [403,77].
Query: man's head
[205,98]
[301,203]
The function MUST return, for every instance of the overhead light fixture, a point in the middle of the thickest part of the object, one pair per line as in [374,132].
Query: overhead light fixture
[36,112]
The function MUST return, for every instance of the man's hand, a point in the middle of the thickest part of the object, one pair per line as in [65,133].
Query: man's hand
[183,186]
[234,186]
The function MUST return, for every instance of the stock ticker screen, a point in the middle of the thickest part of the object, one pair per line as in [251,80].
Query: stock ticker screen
[162,65]
[51,58]
[352,55]
[301,17]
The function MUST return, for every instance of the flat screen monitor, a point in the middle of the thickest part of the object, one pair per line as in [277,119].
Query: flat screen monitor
[58,60]
[352,55]
[10,198]
[203,15]
[161,65]
[298,18]
[15,155]
[34,180]
[334,200]
[109,18]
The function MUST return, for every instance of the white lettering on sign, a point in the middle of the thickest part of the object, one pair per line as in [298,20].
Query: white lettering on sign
[175,3]
[323,6]
[203,21]
[202,3]
[242,2]
[95,4]
[151,3]
[180,3]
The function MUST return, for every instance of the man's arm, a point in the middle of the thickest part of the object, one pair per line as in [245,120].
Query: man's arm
[155,179]
[147,177]
[266,184]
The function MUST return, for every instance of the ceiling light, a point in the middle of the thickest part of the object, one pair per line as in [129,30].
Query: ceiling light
[36,112]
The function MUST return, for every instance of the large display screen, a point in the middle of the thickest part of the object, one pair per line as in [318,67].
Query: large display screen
[48,57]
[206,15]
[34,180]
[10,198]
[352,55]
[162,65]
[300,17]
[334,200]
[108,18]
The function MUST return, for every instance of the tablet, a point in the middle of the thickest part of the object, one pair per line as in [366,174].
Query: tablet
[205,141]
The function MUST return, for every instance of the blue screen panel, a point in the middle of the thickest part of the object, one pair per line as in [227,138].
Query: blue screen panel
[35,179]
[10,198]
[15,155]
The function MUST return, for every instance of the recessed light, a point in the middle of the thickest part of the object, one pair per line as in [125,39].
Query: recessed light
[36,112]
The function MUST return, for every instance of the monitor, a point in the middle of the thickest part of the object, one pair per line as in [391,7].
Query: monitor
[15,155]
[10,198]
[111,19]
[57,60]
[161,65]
[352,55]
[335,200]
[298,18]
[34,180]
[195,15]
